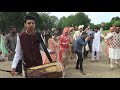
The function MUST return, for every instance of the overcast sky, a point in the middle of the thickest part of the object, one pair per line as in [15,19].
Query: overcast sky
[96,17]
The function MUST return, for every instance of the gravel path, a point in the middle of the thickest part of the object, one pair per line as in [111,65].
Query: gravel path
[99,69]
[93,70]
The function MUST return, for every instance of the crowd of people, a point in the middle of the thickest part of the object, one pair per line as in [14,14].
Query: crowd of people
[72,43]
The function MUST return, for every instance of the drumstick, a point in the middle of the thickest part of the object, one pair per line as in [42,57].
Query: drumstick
[5,70]
[8,71]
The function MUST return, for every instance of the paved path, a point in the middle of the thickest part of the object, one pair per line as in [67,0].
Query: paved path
[6,65]
[93,70]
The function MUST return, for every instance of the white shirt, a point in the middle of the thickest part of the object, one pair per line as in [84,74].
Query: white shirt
[19,53]
[96,41]
[108,36]
[76,34]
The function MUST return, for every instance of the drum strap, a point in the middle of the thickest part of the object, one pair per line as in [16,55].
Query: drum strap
[44,46]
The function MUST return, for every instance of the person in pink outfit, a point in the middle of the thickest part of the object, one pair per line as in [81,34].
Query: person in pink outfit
[64,46]
[53,44]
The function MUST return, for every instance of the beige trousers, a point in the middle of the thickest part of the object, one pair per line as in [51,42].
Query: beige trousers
[65,58]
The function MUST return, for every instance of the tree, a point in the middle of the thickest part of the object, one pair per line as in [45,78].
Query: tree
[117,23]
[47,22]
[107,26]
[115,18]
[70,20]
[54,20]
[8,19]
[82,19]
[74,20]
[92,26]
[61,23]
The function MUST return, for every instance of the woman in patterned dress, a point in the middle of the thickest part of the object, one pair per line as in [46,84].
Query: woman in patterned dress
[3,49]
[53,44]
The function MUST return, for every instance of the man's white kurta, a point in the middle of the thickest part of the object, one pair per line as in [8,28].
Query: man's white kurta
[96,42]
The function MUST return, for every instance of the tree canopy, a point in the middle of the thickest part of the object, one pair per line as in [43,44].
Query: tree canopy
[74,20]
[45,21]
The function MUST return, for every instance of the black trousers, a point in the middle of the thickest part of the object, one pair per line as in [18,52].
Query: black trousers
[90,45]
[85,53]
[80,60]
[19,67]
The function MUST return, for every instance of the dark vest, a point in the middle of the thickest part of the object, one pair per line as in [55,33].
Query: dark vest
[31,51]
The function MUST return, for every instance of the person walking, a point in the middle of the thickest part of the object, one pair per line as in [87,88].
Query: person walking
[79,43]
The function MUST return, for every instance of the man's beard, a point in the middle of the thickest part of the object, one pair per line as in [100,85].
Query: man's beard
[117,31]
[31,28]
[96,31]
[13,32]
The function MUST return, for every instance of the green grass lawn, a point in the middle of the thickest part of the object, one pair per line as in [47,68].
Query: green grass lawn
[105,31]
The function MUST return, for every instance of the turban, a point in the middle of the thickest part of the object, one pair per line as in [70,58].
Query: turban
[71,28]
[66,29]
[81,26]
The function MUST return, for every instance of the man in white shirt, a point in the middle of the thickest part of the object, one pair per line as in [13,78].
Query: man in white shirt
[96,44]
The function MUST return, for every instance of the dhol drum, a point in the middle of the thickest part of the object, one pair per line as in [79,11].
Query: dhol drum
[51,70]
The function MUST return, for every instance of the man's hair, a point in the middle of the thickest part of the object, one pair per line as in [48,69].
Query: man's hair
[84,33]
[11,27]
[96,27]
[29,17]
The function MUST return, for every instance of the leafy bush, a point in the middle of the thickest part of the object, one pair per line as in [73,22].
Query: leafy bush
[117,23]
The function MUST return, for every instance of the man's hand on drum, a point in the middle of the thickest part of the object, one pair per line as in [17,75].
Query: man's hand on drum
[13,71]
